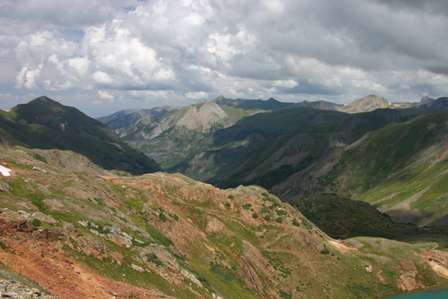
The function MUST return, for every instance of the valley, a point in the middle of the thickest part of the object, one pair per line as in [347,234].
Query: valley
[307,153]
[289,223]
[221,149]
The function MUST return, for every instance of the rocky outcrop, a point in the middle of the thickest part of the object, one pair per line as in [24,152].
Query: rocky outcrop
[16,290]
[366,104]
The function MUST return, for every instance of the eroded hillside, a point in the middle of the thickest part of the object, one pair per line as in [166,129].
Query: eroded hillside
[82,232]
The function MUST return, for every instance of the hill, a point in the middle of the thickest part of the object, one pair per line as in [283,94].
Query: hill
[78,231]
[45,123]
[401,168]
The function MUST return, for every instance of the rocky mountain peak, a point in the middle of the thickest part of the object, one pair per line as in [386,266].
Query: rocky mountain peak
[203,117]
[366,104]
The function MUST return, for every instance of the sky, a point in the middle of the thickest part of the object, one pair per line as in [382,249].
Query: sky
[106,55]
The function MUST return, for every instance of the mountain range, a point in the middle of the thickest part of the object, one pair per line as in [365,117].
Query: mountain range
[85,214]
[172,136]
[74,230]
[299,151]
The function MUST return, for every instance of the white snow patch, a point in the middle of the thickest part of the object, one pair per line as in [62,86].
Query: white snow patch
[4,171]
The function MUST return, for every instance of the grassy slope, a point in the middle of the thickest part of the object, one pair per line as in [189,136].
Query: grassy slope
[291,151]
[402,166]
[276,145]
[239,243]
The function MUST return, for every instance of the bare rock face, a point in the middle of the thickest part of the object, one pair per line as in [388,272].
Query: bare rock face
[16,290]
[366,104]
[203,118]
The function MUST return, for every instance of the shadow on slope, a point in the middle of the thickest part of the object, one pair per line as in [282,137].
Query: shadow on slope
[46,124]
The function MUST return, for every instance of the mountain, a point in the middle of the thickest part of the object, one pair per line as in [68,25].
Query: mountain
[366,104]
[401,168]
[270,104]
[373,102]
[266,148]
[125,118]
[45,123]
[287,149]
[172,136]
[295,153]
[320,105]
[74,230]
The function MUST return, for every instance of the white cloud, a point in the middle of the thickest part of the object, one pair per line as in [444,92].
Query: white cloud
[105,96]
[285,83]
[197,95]
[80,64]
[117,52]
[102,78]
[27,76]
[190,49]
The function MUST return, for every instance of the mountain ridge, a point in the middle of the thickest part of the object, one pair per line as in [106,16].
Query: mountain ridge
[184,132]
[45,123]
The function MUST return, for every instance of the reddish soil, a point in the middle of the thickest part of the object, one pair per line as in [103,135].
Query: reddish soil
[38,255]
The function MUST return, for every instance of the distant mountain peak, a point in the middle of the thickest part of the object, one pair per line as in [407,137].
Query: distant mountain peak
[44,100]
[203,117]
[366,104]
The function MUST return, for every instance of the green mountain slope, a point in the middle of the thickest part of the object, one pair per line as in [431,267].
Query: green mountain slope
[297,154]
[79,231]
[173,137]
[402,169]
[267,148]
[44,123]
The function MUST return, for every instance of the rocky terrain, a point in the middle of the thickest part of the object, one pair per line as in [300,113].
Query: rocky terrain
[366,104]
[16,290]
[78,231]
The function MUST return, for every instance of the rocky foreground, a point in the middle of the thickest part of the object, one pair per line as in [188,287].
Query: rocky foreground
[78,231]
[16,290]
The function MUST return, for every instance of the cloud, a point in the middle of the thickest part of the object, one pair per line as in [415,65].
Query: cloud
[184,50]
[27,76]
[122,59]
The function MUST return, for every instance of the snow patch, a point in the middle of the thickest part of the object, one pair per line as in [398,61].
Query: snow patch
[4,171]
